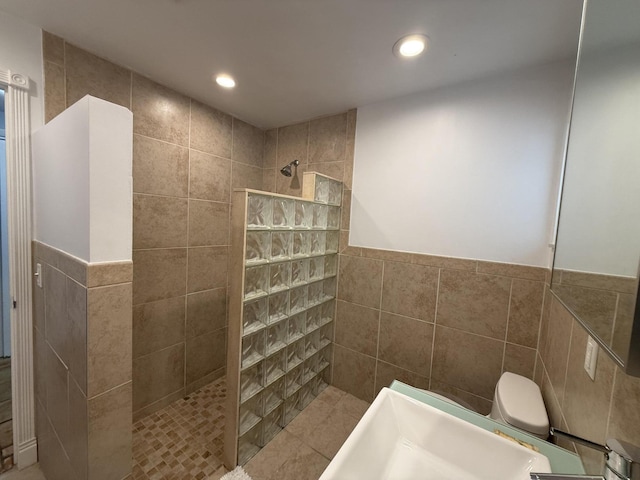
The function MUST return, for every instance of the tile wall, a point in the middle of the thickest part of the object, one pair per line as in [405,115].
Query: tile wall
[187,158]
[83,392]
[608,407]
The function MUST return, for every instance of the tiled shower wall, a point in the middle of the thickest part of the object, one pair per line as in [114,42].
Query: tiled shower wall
[608,407]
[81,315]
[187,158]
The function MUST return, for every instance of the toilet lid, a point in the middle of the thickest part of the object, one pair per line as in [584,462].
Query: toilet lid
[521,404]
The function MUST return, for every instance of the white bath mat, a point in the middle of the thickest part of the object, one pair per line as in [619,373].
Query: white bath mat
[237,473]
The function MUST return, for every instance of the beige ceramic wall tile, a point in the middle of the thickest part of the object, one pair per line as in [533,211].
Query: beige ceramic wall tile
[158,325]
[551,402]
[350,147]
[354,373]
[110,436]
[512,270]
[474,303]
[40,351]
[159,112]
[159,222]
[246,176]
[360,281]
[586,402]
[293,144]
[57,404]
[103,274]
[270,149]
[625,409]
[38,300]
[109,330]
[269,180]
[160,168]
[77,318]
[248,143]
[469,400]
[601,282]
[330,169]
[205,354]
[210,130]
[524,312]
[327,139]
[55,100]
[209,177]
[445,262]
[73,267]
[387,373]
[77,448]
[207,268]
[345,211]
[208,223]
[457,361]
[52,457]
[57,326]
[206,312]
[52,48]
[87,74]
[357,328]
[624,324]
[410,290]
[157,375]
[159,274]
[519,359]
[559,337]
[406,343]
[390,255]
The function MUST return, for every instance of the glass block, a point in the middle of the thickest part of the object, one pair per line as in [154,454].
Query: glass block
[299,272]
[254,315]
[326,335]
[292,407]
[332,242]
[281,243]
[252,349]
[318,243]
[329,288]
[279,276]
[249,444]
[315,293]
[330,265]
[259,212]
[251,381]
[335,193]
[273,395]
[333,218]
[272,425]
[321,382]
[297,300]
[306,395]
[278,307]
[303,216]
[283,213]
[276,337]
[250,414]
[275,366]
[327,312]
[319,218]
[311,343]
[258,244]
[322,189]
[309,368]
[316,268]
[301,244]
[296,327]
[256,281]
[314,316]
[295,354]
[293,380]
[324,359]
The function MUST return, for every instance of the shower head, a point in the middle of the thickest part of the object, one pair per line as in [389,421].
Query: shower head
[286,170]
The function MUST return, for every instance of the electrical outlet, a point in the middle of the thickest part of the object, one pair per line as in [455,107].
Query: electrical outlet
[591,358]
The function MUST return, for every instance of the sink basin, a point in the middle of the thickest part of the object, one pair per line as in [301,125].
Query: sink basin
[400,438]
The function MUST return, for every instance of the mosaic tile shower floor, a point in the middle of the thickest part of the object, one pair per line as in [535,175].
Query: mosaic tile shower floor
[183,441]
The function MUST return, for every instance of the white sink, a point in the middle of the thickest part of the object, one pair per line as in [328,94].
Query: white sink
[400,438]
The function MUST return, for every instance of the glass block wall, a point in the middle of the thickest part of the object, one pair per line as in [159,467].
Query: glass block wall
[282,307]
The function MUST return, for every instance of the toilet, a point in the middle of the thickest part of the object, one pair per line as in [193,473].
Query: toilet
[517,402]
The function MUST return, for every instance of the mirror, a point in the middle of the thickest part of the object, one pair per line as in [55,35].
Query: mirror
[595,270]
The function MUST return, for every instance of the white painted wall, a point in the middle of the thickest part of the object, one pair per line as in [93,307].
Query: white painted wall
[467,171]
[83,183]
[600,218]
[21,51]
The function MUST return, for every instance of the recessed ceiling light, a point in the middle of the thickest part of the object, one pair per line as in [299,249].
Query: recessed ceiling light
[410,45]
[225,81]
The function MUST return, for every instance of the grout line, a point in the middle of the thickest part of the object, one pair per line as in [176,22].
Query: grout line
[435,323]
[610,411]
[566,368]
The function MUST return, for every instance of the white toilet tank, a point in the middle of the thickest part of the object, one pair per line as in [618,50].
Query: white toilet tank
[518,402]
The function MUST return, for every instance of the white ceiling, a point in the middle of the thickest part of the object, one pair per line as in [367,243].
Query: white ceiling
[298,59]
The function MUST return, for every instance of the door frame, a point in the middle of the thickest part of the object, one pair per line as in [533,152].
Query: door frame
[18,154]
